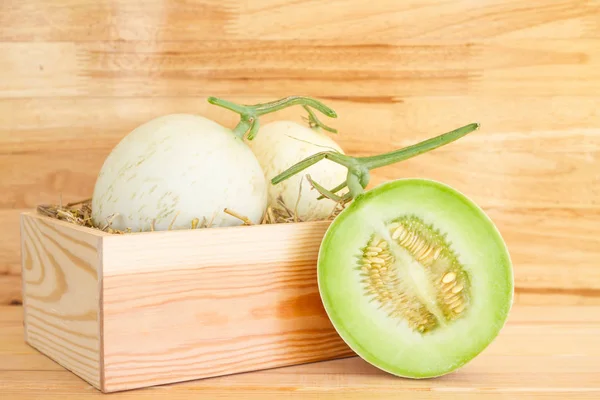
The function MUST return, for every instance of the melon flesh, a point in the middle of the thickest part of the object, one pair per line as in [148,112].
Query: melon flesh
[389,343]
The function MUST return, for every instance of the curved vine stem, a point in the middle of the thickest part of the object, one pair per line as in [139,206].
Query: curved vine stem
[334,156]
[314,122]
[358,167]
[324,192]
[249,114]
[327,193]
[334,190]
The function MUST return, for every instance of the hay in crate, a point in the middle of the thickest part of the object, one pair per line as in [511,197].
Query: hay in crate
[80,213]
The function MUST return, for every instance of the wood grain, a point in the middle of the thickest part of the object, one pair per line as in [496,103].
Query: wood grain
[10,288]
[60,281]
[367,125]
[543,352]
[229,67]
[10,258]
[396,72]
[190,304]
[356,20]
[541,67]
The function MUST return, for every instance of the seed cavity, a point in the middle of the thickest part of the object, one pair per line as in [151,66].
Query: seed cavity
[399,297]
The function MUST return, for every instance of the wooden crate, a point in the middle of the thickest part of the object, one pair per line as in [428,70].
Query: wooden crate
[136,310]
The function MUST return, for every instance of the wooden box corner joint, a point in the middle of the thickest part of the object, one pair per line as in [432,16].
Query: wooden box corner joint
[143,309]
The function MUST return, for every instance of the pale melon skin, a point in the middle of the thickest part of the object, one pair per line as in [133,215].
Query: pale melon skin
[179,163]
[281,144]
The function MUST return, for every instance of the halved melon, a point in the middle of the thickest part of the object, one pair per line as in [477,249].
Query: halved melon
[415,278]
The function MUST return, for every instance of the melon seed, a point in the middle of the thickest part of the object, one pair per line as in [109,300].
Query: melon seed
[400,299]
[449,277]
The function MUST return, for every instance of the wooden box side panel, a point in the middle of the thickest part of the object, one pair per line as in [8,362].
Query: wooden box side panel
[248,301]
[60,293]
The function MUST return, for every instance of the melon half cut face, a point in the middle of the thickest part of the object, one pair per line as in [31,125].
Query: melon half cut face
[415,278]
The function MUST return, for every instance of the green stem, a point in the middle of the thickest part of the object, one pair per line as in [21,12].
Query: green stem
[359,167]
[335,189]
[314,122]
[249,114]
[411,151]
[307,162]
[354,185]
[324,192]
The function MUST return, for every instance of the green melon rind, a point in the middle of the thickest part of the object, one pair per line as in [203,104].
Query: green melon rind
[492,307]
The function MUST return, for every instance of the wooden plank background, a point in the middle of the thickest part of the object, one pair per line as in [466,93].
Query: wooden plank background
[77,75]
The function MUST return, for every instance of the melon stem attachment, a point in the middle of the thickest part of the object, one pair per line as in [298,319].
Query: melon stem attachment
[249,114]
[358,167]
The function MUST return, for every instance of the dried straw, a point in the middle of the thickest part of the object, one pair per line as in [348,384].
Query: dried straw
[80,213]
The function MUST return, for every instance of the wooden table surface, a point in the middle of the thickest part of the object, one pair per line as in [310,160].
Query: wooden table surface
[76,76]
[543,352]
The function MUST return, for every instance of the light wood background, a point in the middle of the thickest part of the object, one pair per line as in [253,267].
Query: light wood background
[76,76]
